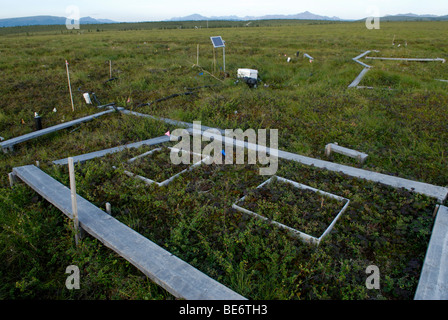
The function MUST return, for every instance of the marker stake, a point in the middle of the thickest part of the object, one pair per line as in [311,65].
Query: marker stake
[69,85]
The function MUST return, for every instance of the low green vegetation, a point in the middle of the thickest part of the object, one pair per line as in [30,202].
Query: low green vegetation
[401,124]
[301,209]
[157,166]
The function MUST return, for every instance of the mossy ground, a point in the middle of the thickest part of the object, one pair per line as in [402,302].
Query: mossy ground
[403,130]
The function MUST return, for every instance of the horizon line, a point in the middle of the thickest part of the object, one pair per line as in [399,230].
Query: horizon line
[253,17]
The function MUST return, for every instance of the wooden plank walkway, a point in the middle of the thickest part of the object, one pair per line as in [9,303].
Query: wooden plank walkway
[440,193]
[437,192]
[359,78]
[171,273]
[433,283]
[407,59]
[362,55]
[166,120]
[365,65]
[9,144]
[356,59]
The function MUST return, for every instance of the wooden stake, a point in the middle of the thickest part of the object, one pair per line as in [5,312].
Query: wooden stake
[436,209]
[197,56]
[110,69]
[108,208]
[12,179]
[71,170]
[69,85]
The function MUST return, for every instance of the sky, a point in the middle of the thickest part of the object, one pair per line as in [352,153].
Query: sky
[151,10]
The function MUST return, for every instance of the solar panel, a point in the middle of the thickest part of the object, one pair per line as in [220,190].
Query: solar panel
[217,42]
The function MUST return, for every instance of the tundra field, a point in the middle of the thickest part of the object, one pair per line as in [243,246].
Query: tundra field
[401,122]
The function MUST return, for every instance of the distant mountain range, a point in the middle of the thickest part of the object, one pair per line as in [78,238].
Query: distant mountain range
[299,16]
[52,20]
[47,20]
[414,17]
[311,16]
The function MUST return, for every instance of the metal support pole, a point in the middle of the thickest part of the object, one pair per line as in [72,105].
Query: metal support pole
[224,58]
[214,60]
[37,122]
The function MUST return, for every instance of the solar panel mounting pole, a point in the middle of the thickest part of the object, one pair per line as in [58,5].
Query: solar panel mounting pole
[219,43]
[224,58]
[214,60]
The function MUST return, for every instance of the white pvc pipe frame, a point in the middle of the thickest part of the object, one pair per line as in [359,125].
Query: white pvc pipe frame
[303,236]
[167,181]
[438,192]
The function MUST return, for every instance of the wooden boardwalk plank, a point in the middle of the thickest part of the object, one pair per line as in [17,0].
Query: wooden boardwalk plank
[362,55]
[437,192]
[408,59]
[174,275]
[359,78]
[32,135]
[440,193]
[166,120]
[433,283]
[365,65]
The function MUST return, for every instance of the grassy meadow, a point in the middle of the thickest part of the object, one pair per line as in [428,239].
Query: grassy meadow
[401,123]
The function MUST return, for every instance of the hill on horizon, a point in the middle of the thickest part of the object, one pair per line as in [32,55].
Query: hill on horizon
[299,16]
[47,20]
[53,20]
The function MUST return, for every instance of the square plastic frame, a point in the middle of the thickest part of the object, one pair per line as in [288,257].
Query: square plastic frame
[167,181]
[303,236]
